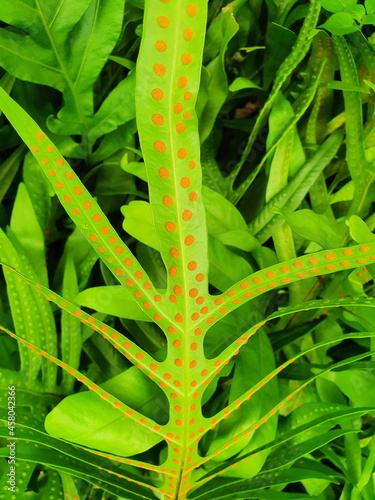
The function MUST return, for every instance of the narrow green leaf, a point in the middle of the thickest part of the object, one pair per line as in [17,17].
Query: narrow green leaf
[111,300]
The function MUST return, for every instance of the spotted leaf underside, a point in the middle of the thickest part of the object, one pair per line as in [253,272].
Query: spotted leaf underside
[168,78]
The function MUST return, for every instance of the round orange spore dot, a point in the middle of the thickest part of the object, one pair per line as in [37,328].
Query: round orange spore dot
[128,262]
[178,362]
[67,199]
[199,277]
[175,253]
[186,58]
[160,146]
[75,211]
[87,205]
[52,173]
[170,226]
[159,69]
[49,149]
[163,21]
[192,265]
[179,318]
[157,119]
[59,184]
[69,175]
[298,263]
[347,252]
[188,95]
[40,136]
[34,149]
[284,269]
[77,190]
[93,237]
[185,182]
[182,82]
[157,94]
[189,240]
[104,229]
[192,164]
[160,45]
[193,292]
[172,271]
[177,343]
[119,272]
[193,196]
[187,215]
[270,274]
[177,108]
[59,162]
[191,10]
[188,34]
[187,115]
[167,200]
[313,260]
[163,173]
[182,153]
[180,128]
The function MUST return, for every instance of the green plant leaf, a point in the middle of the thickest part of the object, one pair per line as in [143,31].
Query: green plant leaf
[40,52]
[139,224]
[220,32]
[291,196]
[86,420]
[341,23]
[111,300]
[313,227]
[337,5]
[262,480]
[241,83]
[26,228]
[337,85]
